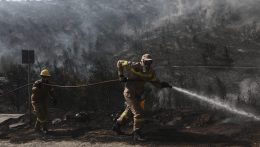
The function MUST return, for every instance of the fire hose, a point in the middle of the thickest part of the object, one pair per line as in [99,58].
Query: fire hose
[99,83]
[199,97]
[77,86]
[16,89]
[60,86]
[86,85]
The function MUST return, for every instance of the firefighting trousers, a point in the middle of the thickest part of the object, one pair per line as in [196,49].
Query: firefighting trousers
[40,111]
[133,109]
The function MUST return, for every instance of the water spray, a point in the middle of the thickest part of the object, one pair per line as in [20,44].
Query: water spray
[218,103]
[220,67]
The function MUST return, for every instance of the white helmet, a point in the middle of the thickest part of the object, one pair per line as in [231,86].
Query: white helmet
[146,57]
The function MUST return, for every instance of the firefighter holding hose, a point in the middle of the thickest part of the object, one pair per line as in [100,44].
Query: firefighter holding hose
[39,99]
[138,73]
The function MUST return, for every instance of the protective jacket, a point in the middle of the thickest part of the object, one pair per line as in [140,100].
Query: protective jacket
[39,99]
[134,88]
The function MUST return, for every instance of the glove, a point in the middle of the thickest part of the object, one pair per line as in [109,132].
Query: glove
[122,78]
[54,101]
[142,104]
[165,85]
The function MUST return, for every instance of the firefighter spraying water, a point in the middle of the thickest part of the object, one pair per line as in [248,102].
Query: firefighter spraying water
[138,73]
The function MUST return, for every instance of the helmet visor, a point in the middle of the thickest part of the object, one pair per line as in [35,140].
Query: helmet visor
[147,62]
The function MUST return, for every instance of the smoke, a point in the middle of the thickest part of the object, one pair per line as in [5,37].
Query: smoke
[61,29]
[47,26]
[249,89]
[84,36]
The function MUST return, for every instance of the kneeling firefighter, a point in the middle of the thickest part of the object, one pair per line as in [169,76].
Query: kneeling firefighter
[138,73]
[39,99]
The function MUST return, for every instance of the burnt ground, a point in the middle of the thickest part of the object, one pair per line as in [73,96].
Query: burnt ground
[163,128]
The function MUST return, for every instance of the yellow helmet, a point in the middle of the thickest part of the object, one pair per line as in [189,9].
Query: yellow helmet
[146,57]
[45,73]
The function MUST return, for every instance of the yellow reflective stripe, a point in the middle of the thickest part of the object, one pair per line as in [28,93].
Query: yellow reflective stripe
[141,74]
[34,90]
[124,63]
[139,120]
[124,115]
[42,121]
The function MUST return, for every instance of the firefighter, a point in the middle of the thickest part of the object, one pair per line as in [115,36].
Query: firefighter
[138,73]
[39,99]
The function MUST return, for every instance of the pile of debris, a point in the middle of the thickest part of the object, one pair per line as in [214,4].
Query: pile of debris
[9,122]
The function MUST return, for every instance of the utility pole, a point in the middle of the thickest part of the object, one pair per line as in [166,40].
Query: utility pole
[28,58]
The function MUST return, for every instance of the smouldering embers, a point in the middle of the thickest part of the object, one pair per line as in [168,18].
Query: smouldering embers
[219,104]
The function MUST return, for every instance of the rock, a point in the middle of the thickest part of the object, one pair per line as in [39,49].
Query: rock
[171,123]
[188,127]
[16,125]
[81,117]
[56,121]
[4,118]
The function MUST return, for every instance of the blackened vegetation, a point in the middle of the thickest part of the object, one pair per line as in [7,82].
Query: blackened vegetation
[80,43]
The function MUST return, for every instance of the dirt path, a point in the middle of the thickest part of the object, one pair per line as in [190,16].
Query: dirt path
[64,144]
[162,137]
[196,132]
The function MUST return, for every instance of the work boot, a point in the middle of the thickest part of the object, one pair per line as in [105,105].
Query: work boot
[117,128]
[37,127]
[137,136]
[37,130]
[45,129]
